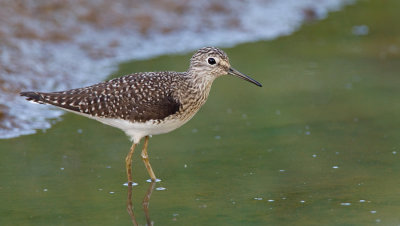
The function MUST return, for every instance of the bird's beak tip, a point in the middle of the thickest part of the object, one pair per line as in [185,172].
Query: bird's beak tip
[237,73]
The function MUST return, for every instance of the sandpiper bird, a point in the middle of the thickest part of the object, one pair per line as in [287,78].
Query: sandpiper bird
[149,103]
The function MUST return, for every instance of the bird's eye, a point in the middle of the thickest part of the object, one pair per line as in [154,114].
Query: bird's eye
[211,61]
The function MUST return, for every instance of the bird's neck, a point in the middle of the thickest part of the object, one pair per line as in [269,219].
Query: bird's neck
[201,82]
[196,91]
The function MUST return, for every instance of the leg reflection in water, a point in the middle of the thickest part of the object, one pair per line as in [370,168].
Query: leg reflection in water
[145,203]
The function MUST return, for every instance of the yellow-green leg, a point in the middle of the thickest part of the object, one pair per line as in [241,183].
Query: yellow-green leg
[128,163]
[145,159]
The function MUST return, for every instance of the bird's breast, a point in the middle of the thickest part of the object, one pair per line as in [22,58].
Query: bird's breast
[192,100]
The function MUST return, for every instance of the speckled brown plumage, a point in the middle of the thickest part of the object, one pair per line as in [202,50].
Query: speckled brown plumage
[137,97]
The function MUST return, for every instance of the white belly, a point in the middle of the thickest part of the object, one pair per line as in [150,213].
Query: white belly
[138,130]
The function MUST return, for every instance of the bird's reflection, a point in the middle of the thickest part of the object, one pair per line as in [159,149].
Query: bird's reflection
[145,203]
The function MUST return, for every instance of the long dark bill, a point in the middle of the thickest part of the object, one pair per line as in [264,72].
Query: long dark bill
[239,74]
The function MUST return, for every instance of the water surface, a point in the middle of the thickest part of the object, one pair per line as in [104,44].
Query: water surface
[319,144]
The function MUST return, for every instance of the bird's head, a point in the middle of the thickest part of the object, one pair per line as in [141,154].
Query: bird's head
[213,62]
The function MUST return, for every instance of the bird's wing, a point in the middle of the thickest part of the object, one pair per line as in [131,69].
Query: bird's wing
[135,97]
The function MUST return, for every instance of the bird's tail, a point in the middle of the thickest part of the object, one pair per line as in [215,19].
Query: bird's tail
[55,99]
[33,96]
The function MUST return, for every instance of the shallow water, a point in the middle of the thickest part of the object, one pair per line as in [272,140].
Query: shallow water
[319,144]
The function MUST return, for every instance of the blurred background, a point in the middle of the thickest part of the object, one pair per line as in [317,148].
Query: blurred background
[56,45]
[318,144]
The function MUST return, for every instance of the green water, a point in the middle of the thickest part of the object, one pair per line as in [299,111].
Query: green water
[319,144]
